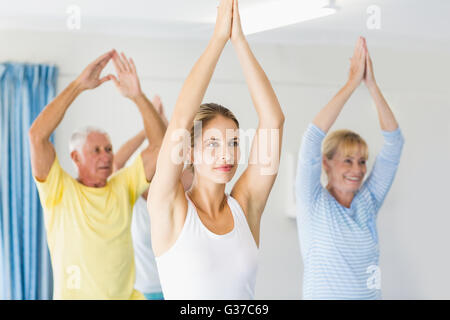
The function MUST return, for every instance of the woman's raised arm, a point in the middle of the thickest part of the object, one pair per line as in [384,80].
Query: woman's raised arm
[385,114]
[328,115]
[166,181]
[253,187]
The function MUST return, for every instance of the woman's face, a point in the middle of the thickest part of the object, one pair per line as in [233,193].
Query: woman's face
[346,172]
[216,152]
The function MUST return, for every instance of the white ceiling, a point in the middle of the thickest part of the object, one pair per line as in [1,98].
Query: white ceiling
[418,23]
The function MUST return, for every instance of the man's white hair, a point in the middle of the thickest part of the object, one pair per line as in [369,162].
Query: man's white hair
[79,136]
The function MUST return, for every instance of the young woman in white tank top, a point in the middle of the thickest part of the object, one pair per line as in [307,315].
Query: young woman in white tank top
[206,241]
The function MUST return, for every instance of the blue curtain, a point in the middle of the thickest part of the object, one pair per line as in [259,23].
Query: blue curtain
[25,268]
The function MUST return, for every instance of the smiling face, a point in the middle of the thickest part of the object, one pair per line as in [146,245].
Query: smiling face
[346,171]
[95,160]
[216,151]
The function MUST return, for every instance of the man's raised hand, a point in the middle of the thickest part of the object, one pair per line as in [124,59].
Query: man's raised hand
[90,77]
[127,80]
[157,104]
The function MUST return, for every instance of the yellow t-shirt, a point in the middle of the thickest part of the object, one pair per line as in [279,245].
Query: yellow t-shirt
[89,233]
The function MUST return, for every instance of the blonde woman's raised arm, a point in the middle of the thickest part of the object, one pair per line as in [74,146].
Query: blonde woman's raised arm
[328,115]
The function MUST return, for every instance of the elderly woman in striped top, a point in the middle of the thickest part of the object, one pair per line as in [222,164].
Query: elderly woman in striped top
[337,223]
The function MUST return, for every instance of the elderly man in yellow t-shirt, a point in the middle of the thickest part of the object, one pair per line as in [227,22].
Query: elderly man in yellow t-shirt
[88,219]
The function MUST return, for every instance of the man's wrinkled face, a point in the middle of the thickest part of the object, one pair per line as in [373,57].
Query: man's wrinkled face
[95,161]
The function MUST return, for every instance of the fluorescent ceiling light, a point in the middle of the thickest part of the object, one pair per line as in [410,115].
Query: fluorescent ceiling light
[279,13]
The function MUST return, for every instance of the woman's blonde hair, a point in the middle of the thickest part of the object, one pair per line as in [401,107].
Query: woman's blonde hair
[348,142]
[206,113]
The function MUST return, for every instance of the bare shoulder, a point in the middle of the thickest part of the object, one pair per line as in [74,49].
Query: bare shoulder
[180,207]
[170,205]
[252,212]
[240,194]
[167,220]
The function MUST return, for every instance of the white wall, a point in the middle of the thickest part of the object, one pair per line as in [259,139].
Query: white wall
[414,220]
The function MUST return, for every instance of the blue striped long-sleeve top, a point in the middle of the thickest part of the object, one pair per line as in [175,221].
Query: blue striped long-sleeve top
[339,245]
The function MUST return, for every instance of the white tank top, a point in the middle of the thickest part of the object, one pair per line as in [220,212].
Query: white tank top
[202,265]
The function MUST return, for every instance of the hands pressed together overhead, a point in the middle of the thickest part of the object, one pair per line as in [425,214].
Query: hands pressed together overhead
[228,22]
[361,68]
